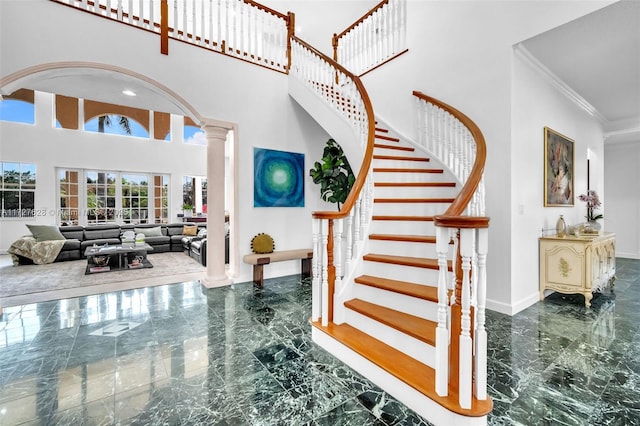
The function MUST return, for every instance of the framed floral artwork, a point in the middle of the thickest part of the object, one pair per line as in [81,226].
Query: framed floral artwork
[558,169]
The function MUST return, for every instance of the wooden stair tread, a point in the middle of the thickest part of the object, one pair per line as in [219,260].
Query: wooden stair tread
[387,138]
[379,129]
[413,200]
[405,170]
[418,291]
[403,218]
[407,238]
[418,262]
[419,376]
[417,184]
[398,147]
[416,327]
[400,158]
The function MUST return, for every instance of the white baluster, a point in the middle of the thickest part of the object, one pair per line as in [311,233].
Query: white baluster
[466,344]
[481,333]
[337,258]
[152,16]
[119,10]
[325,272]
[316,290]
[442,332]
[349,241]
[130,11]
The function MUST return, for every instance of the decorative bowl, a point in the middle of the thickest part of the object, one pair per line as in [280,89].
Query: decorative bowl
[101,260]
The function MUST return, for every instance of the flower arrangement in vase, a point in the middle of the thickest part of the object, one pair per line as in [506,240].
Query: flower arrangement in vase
[593,202]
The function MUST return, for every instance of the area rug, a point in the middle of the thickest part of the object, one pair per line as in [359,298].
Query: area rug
[38,283]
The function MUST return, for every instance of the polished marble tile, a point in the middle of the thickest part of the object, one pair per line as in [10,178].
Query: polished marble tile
[184,355]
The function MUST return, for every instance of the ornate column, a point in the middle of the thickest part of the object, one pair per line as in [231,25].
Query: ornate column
[215,275]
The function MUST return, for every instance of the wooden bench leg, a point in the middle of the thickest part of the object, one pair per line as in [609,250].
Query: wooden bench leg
[258,275]
[305,268]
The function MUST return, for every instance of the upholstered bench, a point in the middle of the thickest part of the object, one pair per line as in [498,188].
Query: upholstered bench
[258,260]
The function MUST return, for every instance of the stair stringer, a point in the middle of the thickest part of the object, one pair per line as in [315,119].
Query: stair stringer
[412,398]
[334,123]
[340,129]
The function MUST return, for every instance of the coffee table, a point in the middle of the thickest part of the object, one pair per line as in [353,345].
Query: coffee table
[118,257]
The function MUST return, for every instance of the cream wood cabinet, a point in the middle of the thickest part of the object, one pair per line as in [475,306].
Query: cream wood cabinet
[582,264]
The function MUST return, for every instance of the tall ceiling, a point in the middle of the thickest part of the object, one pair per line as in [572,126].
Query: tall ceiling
[598,57]
[595,57]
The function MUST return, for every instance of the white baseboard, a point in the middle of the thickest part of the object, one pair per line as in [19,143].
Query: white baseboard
[626,255]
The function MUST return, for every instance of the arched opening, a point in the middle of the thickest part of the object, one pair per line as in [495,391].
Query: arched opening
[99,83]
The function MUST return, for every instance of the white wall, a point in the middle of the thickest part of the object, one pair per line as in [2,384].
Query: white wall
[537,103]
[461,53]
[622,185]
[254,98]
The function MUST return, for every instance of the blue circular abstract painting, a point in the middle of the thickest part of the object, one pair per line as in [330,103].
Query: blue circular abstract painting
[279,178]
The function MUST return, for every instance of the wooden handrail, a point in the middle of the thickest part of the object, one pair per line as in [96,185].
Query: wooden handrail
[368,153]
[336,37]
[164,30]
[471,185]
[267,9]
[362,18]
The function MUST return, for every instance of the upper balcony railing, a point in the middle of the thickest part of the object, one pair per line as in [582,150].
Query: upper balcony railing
[240,28]
[377,37]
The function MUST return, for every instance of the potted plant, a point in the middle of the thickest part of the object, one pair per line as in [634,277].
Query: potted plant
[187,210]
[333,173]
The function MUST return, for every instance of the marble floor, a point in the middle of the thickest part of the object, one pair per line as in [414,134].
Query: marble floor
[183,355]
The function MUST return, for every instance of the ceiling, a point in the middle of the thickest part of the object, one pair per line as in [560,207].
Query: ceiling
[597,58]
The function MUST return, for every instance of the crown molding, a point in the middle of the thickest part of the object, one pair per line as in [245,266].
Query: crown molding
[557,82]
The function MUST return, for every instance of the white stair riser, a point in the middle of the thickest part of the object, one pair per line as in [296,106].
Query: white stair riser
[411,177]
[409,209]
[404,343]
[383,162]
[403,248]
[415,192]
[403,227]
[400,302]
[401,272]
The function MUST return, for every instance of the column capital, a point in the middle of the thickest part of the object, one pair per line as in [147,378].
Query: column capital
[215,133]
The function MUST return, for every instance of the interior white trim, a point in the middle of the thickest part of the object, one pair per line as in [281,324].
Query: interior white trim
[555,81]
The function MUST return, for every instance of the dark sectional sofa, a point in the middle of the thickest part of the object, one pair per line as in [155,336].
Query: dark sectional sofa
[171,239]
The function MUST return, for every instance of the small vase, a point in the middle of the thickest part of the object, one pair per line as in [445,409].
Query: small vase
[561,227]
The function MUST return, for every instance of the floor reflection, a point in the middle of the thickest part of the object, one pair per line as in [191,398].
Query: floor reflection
[182,354]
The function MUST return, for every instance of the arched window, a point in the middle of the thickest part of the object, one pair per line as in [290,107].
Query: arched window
[113,125]
[17,111]
[194,135]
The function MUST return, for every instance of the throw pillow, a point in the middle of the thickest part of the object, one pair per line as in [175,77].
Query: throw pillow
[190,230]
[45,232]
[262,243]
[202,233]
[156,231]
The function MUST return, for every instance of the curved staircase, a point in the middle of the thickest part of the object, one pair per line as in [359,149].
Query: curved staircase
[399,273]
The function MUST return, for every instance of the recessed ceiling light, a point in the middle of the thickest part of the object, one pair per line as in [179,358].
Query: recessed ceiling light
[128,92]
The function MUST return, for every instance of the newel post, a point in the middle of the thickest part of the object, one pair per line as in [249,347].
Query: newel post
[291,31]
[216,137]
[164,27]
